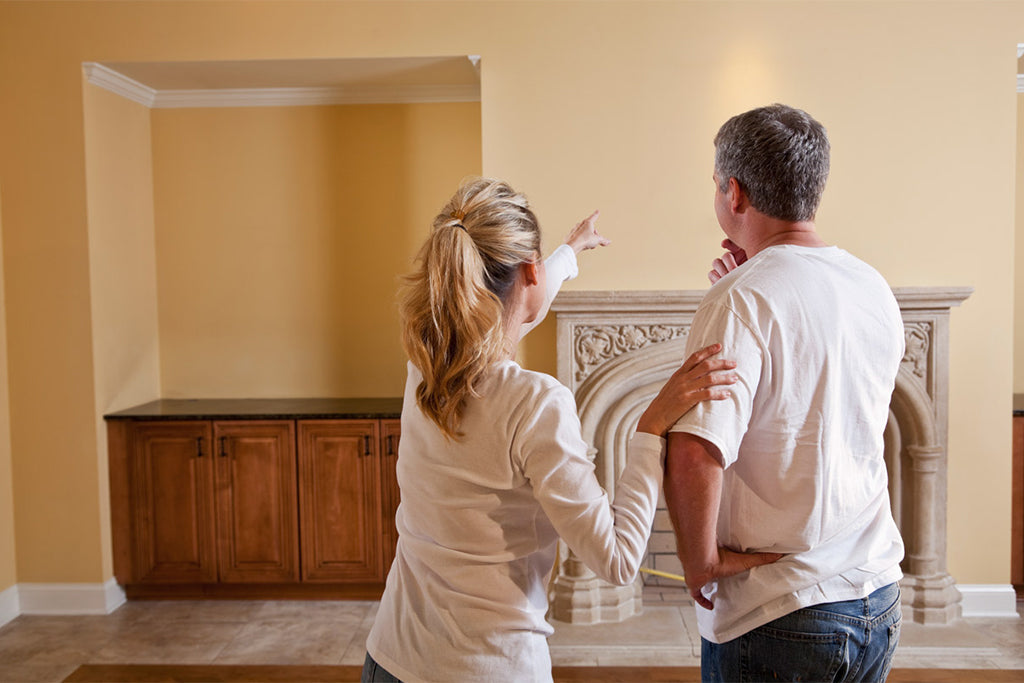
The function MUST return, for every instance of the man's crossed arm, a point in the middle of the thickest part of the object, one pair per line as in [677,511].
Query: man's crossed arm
[693,493]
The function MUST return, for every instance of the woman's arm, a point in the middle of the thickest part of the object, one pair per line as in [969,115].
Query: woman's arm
[561,264]
[610,538]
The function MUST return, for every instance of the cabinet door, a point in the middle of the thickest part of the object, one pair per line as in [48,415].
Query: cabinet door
[257,507]
[391,432]
[339,504]
[172,502]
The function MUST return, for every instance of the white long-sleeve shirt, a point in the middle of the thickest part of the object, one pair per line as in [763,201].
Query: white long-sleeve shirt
[479,522]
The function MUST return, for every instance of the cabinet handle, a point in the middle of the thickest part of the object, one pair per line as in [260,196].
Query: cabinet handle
[199,446]
[223,447]
[390,441]
[366,444]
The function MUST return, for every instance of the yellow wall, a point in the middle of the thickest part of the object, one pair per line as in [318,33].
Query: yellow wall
[281,234]
[8,569]
[585,105]
[122,268]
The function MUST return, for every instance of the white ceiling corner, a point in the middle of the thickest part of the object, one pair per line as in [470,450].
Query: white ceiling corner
[119,84]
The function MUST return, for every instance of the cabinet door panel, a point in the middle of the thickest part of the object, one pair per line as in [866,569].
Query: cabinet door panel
[257,517]
[340,500]
[391,432]
[172,502]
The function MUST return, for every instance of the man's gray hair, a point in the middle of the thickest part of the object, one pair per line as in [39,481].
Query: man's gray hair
[780,157]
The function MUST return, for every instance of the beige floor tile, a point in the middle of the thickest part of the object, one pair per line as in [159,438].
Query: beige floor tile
[581,657]
[689,616]
[157,642]
[47,648]
[355,655]
[42,640]
[289,642]
[658,634]
[959,639]
[661,626]
[1015,662]
[649,657]
[209,611]
[1006,633]
[901,661]
[347,611]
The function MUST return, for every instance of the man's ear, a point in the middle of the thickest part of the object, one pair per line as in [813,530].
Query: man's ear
[528,269]
[738,201]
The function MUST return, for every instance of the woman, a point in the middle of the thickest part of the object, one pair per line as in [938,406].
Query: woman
[492,468]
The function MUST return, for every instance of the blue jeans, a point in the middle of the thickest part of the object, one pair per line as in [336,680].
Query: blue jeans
[375,673]
[853,640]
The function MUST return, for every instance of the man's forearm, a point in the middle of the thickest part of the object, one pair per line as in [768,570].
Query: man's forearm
[693,491]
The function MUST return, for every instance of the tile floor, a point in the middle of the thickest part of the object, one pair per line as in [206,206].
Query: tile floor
[48,648]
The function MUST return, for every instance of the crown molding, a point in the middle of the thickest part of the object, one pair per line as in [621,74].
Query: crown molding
[118,83]
[1020,82]
[284,97]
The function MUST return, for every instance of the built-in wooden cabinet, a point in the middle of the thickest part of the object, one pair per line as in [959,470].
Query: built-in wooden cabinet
[256,521]
[172,502]
[340,467]
[301,505]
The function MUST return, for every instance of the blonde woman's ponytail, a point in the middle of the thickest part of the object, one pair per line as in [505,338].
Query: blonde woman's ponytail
[453,304]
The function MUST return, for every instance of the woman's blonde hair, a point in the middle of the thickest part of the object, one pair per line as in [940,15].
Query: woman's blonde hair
[453,303]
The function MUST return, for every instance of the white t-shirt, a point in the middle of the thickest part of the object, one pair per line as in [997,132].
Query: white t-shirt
[479,522]
[818,339]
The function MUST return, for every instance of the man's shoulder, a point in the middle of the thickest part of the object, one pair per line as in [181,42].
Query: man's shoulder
[788,265]
[781,279]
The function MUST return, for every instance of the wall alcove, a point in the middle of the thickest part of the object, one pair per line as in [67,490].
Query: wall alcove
[249,220]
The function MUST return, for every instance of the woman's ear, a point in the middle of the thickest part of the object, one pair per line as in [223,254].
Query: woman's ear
[528,269]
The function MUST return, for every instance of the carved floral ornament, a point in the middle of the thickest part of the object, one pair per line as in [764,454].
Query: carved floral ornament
[918,340]
[595,345]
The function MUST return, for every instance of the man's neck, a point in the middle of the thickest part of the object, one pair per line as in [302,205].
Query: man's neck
[774,232]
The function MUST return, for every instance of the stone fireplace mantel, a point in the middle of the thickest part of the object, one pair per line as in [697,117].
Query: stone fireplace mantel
[616,349]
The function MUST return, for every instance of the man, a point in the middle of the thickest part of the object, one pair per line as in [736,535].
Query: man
[793,462]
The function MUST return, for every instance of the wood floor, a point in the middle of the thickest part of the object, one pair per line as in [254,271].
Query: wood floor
[134,673]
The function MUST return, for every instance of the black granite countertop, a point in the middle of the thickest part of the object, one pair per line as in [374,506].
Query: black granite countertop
[263,409]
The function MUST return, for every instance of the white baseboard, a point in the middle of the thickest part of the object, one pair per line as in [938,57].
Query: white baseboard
[70,598]
[10,607]
[988,600]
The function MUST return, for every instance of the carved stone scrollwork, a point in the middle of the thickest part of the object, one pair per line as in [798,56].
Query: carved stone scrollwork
[918,345]
[595,345]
